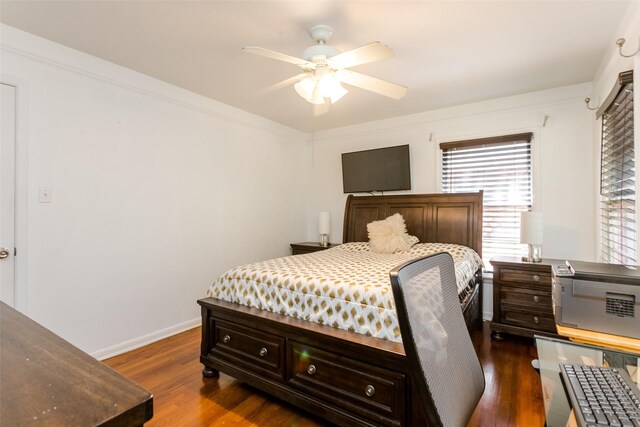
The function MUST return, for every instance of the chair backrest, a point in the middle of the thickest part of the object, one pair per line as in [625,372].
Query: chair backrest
[442,361]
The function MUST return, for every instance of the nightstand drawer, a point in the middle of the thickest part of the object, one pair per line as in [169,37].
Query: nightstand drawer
[243,347]
[522,301]
[347,383]
[525,277]
[529,299]
[527,319]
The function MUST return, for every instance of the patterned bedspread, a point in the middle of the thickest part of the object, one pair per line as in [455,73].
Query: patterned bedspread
[346,287]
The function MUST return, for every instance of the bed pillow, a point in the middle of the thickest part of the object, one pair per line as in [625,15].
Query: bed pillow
[389,235]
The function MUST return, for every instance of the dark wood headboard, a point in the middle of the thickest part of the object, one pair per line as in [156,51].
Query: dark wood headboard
[437,218]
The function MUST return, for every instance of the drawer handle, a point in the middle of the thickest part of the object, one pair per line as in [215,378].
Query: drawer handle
[370,390]
[226,339]
[536,320]
[311,370]
[536,299]
[263,352]
[536,278]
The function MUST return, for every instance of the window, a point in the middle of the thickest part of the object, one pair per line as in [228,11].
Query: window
[501,166]
[618,175]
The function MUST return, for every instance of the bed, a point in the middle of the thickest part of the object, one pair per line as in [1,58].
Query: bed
[348,373]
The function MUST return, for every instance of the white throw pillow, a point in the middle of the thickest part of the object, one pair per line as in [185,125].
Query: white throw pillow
[389,235]
[412,240]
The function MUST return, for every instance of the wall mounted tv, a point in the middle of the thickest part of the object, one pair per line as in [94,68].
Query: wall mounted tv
[382,169]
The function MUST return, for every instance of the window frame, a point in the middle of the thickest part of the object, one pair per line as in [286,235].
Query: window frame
[527,133]
[625,78]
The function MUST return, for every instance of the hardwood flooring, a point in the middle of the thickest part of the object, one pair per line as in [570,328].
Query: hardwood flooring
[181,397]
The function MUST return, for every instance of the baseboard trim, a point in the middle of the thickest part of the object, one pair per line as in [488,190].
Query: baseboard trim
[129,345]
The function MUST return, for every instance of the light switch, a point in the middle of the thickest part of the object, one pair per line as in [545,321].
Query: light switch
[44,195]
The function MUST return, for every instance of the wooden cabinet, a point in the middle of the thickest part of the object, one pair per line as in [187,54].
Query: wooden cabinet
[522,303]
[307,247]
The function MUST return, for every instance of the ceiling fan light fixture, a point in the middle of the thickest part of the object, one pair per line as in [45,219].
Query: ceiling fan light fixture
[317,97]
[309,89]
[323,84]
[331,88]
[325,68]
[305,87]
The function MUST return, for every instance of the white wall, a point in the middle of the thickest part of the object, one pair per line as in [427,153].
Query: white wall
[561,149]
[562,156]
[156,191]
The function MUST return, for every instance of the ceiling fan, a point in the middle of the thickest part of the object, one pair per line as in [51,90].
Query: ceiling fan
[324,69]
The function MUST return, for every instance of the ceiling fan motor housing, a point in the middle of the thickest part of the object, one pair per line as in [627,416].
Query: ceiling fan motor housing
[319,50]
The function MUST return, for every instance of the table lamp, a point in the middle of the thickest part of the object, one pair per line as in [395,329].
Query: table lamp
[531,231]
[324,227]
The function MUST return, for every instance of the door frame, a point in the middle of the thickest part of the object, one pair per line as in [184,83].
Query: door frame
[21,190]
[7,193]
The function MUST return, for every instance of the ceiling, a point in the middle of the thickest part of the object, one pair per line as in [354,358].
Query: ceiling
[446,52]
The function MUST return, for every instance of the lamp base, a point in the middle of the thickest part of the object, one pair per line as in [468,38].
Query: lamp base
[535,254]
[324,240]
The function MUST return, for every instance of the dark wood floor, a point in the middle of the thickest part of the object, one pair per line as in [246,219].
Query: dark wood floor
[181,397]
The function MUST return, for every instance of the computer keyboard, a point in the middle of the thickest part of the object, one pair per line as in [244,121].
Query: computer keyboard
[601,396]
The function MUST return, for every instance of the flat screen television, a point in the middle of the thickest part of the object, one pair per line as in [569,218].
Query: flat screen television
[381,169]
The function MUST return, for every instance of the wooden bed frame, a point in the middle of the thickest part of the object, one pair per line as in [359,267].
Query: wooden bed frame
[343,377]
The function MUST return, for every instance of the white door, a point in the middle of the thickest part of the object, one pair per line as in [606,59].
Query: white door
[7,192]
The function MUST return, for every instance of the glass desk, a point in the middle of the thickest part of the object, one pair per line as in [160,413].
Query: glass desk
[552,351]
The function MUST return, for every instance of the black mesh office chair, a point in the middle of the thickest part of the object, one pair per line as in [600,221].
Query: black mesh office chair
[441,357]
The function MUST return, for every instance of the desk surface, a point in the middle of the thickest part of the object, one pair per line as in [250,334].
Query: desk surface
[552,352]
[616,342]
[45,380]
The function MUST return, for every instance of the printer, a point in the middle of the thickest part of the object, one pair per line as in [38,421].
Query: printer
[598,297]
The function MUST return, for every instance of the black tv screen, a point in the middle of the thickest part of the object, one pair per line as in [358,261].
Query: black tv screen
[382,169]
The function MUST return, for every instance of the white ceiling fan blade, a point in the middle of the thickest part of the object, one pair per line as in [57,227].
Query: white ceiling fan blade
[279,85]
[320,109]
[279,56]
[372,84]
[368,53]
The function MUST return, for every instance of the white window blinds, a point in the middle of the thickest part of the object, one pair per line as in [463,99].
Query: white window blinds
[501,167]
[618,177]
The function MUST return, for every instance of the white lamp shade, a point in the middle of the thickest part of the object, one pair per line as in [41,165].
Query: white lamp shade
[322,84]
[305,87]
[531,228]
[324,222]
[330,87]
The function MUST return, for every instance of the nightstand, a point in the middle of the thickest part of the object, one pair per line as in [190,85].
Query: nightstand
[307,247]
[522,303]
